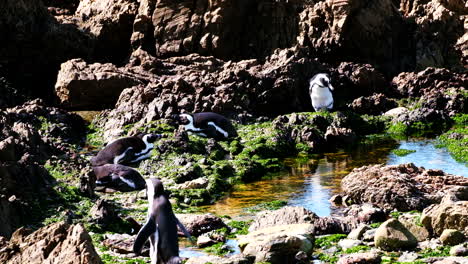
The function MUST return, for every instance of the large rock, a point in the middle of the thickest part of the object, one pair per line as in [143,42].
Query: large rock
[446,215]
[92,86]
[403,187]
[34,44]
[200,224]
[110,22]
[278,244]
[392,235]
[299,215]
[56,243]
[413,223]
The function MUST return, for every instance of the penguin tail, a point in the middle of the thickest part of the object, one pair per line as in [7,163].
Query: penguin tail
[143,235]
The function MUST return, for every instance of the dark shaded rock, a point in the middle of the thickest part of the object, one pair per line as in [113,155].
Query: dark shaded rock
[104,213]
[57,242]
[452,237]
[403,187]
[200,224]
[339,136]
[375,104]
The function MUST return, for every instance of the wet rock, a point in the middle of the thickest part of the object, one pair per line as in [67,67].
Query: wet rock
[92,86]
[236,259]
[413,223]
[452,237]
[62,243]
[403,187]
[200,224]
[431,119]
[459,250]
[358,232]
[375,104]
[446,215]
[392,235]
[360,258]
[278,244]
[210,238]
[110,22]
[340,136]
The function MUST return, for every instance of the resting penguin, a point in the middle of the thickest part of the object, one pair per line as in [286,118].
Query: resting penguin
[160,228]
[126,150]
[119,177]
[320,92]
[208,124]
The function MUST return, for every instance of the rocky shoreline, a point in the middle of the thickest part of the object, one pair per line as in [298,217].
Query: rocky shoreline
[399,69]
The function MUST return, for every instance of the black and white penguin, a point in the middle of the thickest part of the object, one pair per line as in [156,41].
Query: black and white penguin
[126,150]
[320,92]
[119,177]
[208,124]
[160,227]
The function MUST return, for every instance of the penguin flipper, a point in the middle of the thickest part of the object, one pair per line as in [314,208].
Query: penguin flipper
[182,227]
[145,232]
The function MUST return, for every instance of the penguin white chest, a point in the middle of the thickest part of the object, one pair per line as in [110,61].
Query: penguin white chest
[321,98]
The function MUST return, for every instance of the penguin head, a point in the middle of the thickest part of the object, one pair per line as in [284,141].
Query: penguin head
[151,138]
[185,119]
[154,188]
[322,80]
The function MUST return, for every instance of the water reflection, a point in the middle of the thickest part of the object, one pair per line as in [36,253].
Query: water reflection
[306,182]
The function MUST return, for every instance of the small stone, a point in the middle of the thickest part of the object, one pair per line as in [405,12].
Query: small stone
[369,235]
[452,237]
[408,257]
[349,243]
[357,258]
[358,232]
[459,250]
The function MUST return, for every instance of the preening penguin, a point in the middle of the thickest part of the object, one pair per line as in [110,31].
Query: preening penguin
[208,124]
[119,177]
[160,227]
[320,92]
[126,150]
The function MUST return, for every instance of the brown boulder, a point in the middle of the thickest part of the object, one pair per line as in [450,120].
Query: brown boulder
[446,215]
[403,187]
[375,104]
[56,243]
[200,224]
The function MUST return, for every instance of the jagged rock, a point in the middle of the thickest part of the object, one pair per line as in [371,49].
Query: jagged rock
[299,215]
[392,235]
[360,258]
[278,244]
[122,243]
[452,237]
[365,213]
[110,22]
[236,259]
[340,136]
[200,224]
[375,104]
[104,213]
[56,243]
[34,44]
[403,187]
[61,7]
[446,215]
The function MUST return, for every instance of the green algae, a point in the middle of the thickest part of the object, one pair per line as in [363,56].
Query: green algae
[456,139]
[403,152]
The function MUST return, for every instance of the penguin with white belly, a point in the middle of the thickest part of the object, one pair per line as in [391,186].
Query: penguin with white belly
[119,177]
[320,90]
[160,227]
[126,150]
[208,124]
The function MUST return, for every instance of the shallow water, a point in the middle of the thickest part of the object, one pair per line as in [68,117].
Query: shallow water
[311,183]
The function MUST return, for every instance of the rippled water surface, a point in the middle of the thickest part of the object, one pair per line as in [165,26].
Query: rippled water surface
[310,183]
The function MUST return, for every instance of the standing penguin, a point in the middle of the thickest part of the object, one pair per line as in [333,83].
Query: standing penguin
[119,177]
[320,92]
[160,228]
[126,150]
[208,124]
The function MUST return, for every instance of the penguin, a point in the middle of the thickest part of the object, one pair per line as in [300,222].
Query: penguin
[119,177]
[126,150]
[160,227]
[208,124]
[320,92]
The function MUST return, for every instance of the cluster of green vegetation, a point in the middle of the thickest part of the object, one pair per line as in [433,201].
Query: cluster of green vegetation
[403,152]
[325,242]
[219,249]
[456,139]
[239,228]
